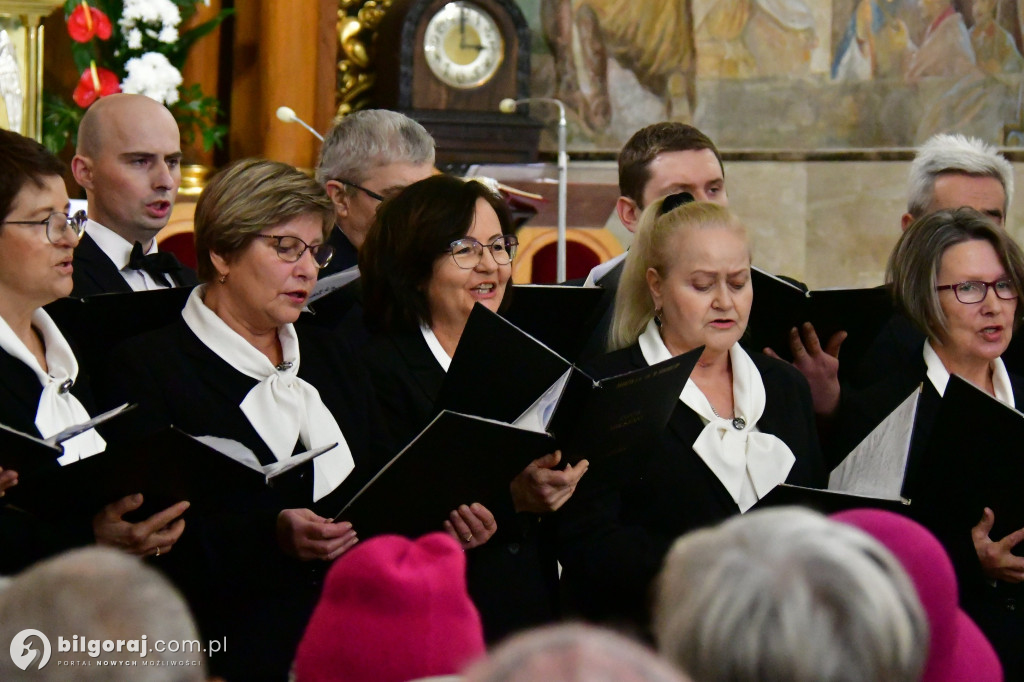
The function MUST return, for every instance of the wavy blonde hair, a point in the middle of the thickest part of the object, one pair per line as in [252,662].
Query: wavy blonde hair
[652,248]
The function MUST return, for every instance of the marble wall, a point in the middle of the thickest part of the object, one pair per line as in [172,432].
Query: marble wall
[827,223]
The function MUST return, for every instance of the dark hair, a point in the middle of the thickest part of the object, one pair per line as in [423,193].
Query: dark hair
[646,144]
[23,159]
[412,230]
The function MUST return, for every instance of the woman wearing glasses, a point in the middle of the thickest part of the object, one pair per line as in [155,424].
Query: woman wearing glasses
[234,366]
[743,423]
[958,277]
[436,249]
[42,390]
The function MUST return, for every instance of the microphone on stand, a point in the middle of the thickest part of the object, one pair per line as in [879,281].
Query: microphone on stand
[508,106]
[287,115]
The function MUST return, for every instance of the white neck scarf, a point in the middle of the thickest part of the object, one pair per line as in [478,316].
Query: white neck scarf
[435,347]
[58,409]
[747,462]
[282,408]
[939,376]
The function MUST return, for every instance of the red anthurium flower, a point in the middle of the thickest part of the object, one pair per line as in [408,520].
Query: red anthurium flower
[95,82]
[86,22]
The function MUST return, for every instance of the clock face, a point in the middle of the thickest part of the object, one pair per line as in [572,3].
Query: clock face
[463,45]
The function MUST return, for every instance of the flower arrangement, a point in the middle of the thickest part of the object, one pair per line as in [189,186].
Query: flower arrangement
[135,46]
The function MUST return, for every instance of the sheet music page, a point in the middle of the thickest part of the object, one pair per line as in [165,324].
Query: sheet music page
[333,283]
[277,468]
[537,416]
[72,431]
[877,466]
[232,449]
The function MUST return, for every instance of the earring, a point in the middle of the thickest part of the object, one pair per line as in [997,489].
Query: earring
[223,278]
[657,316]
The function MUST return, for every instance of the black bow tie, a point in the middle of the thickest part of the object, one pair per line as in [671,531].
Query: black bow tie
[158,264]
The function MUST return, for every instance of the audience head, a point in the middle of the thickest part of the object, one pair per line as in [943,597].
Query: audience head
[786,594]
[392,610]
[99,594]
[416,266]
[128,161]
[253,224]
[958,650]
[958,247]
[665,158]
[572,653]
[36,235]
[951,171]
[369,155]
[688,267]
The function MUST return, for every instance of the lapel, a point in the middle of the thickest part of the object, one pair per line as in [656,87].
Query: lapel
[424,370]
[610,280]
[94,272]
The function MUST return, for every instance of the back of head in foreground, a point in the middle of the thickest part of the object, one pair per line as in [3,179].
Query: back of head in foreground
[786,594]
[99,594]
[572,653]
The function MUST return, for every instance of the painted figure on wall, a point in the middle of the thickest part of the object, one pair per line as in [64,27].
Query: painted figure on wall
[876,43]
[946,48]
[656,45]
[994,47]
[750,38]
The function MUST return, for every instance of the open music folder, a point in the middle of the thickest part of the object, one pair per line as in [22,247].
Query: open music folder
[779,306]
[502,373]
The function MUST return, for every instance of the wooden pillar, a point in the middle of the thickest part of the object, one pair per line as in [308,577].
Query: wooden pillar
[202,68]
[284,55]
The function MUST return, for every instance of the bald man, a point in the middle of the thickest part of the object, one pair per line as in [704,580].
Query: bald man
[128,161]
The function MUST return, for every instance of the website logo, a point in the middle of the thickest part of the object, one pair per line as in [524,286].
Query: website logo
[24,652]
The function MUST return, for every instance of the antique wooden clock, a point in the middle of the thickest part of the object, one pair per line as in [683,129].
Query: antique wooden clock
[448,64]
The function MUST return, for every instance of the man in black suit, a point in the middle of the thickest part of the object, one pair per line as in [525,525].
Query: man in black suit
[368,156]
[128,161]
[661,159]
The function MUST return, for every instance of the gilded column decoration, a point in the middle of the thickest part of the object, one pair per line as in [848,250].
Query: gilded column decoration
[21,64]
[357,31]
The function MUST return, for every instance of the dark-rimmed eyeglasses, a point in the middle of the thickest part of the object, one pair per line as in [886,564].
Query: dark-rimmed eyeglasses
[290,249]
[57,225]
[368,192]
[467,252]
[975,291]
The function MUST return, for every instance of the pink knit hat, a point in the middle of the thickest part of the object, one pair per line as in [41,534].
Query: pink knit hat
[392,610]
[958,650]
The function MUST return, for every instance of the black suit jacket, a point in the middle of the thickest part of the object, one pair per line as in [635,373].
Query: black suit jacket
[613,539]
[25,539]
[94,273]
[597,345]
[238,582]
[513,579]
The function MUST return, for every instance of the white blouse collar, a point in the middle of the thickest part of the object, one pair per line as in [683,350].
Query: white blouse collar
[939,376]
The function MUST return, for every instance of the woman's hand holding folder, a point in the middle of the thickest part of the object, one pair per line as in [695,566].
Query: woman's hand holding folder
[152,537]
[540,488]
[471,525]
[996,556]
[8,478]
[307,536]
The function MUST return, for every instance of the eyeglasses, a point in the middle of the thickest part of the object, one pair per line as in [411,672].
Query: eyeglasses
[975,291]
[368,192]
[290,249]
[467,252]
[57,224]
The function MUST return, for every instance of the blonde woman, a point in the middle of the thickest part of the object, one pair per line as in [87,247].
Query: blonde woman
[743,423]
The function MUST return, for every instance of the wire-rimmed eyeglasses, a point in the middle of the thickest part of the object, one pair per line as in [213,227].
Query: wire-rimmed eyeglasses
[467,252]
[57,225]
[290,249]
[368,192]
[975,291]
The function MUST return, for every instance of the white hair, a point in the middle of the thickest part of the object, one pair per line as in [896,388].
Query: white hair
[370,138]
[100,594]
[948,153]
[787,594]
